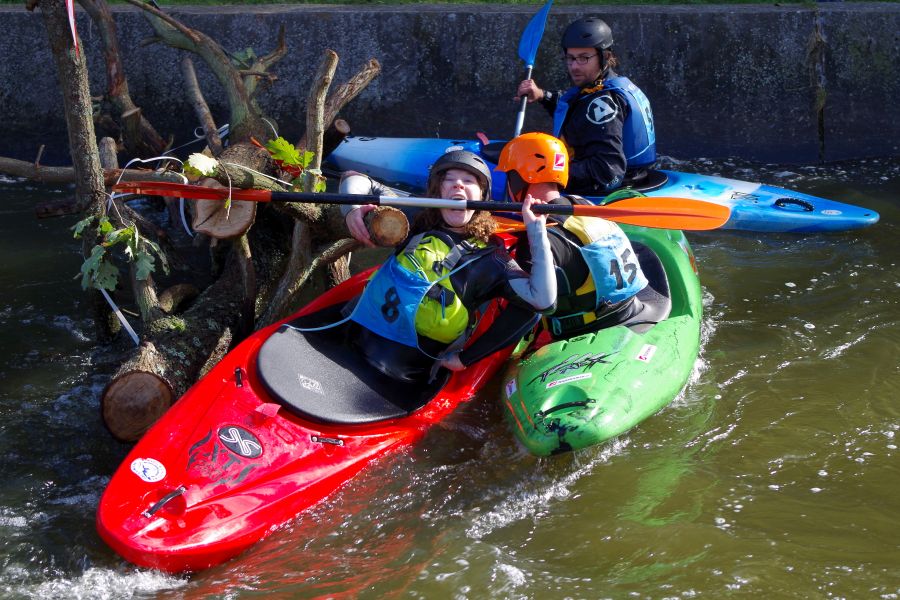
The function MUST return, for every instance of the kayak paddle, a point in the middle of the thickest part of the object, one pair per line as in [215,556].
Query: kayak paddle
[656,212]
[528,46]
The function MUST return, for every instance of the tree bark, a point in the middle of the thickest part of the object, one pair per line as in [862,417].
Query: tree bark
[140,139]
[201,109]
[168,360]
[346,92]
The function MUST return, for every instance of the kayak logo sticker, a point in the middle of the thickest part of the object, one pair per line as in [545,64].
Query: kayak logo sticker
[602,110]
[308,383]
[569,379]
[646,353]
[559,162]
[148,469]
[240,441]
[208,455]
[572,363]
[511,388]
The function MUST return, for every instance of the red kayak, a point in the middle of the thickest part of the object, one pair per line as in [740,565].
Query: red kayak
[281,422]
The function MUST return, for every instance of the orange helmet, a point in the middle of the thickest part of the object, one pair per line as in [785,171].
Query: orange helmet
[537,158]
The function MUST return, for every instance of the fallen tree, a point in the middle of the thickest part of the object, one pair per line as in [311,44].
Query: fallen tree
[254,261]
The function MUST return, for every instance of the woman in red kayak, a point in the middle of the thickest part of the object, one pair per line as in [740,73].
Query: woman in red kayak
[420,307]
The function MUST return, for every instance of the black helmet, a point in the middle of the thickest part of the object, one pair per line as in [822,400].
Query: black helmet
[465,160]
[587,32]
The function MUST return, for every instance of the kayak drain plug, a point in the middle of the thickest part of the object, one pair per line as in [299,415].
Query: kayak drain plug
[238,377]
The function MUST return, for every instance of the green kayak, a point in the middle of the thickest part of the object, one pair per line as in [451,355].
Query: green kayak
[569,394]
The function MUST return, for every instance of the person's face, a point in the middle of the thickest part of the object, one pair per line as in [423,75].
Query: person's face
[583,74]
[458,184]
[518,189]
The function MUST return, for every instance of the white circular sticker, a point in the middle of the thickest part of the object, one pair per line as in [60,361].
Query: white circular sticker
[602,110]
[148,469]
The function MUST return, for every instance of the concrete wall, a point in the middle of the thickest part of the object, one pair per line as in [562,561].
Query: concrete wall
[793,83]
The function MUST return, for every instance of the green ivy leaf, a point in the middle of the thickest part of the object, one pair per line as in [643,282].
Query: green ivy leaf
[97,272]
[104,227]
[284,151]
[125,236]
[81,225]
[154,247]
[143,266]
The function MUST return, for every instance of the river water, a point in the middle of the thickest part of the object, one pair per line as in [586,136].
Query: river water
[776,473]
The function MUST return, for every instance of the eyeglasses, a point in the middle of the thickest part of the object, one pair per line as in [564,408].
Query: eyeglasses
[581,60]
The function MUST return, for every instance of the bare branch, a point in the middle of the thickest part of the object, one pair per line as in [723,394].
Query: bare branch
[201,108]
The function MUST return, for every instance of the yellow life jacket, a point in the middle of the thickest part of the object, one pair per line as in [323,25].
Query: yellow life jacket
[441,315]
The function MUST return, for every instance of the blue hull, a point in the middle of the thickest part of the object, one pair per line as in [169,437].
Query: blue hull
[404,162]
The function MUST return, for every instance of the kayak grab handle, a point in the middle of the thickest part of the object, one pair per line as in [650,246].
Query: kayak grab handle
[577,404]
[164,500]
[793,203]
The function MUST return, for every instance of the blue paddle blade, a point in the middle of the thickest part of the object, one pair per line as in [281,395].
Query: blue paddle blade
[534,31]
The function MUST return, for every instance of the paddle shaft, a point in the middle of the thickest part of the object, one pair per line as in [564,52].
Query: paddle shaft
[520,117]
[664,213]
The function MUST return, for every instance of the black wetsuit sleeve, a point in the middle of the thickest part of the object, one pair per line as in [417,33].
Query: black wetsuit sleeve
[488,280]
[508,328]
[598,164]
[550,100]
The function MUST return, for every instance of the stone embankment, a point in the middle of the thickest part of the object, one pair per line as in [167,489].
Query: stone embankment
[791,83]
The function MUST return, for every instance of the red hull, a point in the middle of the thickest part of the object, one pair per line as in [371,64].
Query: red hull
[219,502]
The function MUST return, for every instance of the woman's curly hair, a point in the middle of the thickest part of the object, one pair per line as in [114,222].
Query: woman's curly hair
[480,226]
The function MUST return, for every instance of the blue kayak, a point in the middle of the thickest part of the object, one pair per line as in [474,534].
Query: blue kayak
[404,162]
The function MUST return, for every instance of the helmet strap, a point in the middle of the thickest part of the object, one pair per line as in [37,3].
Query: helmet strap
[516,187]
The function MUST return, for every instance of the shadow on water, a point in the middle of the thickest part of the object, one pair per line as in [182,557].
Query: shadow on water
[774,472]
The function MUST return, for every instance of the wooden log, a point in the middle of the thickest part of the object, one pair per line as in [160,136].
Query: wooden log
[336,133]
[387,226]
[172,299]
[168,360]
[137,397]
[218,220]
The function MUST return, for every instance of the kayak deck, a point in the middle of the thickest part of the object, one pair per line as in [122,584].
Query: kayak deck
[404,162]
[569,394]
[230,461]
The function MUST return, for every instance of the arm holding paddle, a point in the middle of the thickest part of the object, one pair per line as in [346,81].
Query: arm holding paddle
[529,293]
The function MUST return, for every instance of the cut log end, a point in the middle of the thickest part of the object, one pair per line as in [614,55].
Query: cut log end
[132,403]
[387,225]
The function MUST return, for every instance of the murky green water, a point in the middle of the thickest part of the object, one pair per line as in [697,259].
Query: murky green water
[775,474]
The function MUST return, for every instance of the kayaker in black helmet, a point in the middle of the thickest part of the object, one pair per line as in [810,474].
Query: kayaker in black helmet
[604,119]
[420,306]
[597,271]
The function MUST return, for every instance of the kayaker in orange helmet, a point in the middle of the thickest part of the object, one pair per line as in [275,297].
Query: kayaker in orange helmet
[598,273]
[420,306]
[604,118]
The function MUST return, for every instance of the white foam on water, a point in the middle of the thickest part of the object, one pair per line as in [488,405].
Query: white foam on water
[102,584]
[533,495]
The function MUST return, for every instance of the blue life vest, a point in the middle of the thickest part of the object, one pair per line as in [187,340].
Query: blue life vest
[615,273]
[393,296]
[638,135]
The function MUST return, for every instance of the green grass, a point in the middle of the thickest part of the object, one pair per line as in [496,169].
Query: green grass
[535,3]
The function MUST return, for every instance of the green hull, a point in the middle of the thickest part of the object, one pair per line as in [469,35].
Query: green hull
[575,393]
